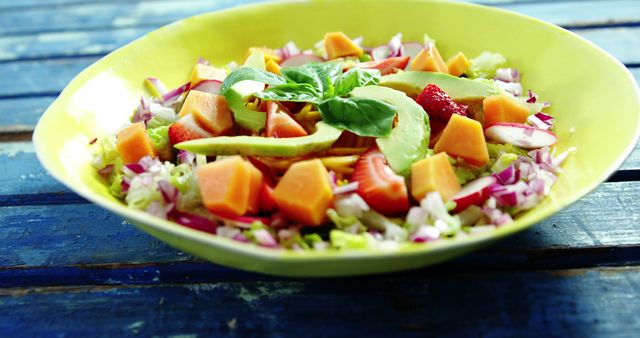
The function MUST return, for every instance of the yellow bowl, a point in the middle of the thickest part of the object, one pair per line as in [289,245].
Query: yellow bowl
[591,92]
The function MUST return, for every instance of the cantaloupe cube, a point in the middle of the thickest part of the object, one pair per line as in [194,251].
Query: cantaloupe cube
[429,60]
[503,108]
[211,111]
[273,67]
[304,193]
[133,143]
[338,44]
[434,174]
[203,72]
[254,191]
[229,186]
[458,64]
[463,137]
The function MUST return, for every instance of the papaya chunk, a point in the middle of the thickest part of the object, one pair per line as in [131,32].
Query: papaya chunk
[429,60]
[338,44]
[503,108]
[458,64]
[230,186]
[133,143]
[203,72]
[304,193]
[211,111]
[434,174]
[463,137]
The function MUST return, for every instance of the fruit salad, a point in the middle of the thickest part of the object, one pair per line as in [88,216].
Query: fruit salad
[337,147]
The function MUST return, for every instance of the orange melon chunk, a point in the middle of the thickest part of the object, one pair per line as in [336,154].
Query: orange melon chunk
[429,60]
[203,72]
[463,137]
[338,44]
[133,143]
[304,193]
[458,64]
[209,110]
[229,186]
[273,67]
[254,192]
[503,108]
[434,174]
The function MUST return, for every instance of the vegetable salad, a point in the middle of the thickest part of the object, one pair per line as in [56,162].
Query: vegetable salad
[337,147]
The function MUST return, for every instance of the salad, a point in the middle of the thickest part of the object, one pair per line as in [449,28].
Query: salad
[337,147]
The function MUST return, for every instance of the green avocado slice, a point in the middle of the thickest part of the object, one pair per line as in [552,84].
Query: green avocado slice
[322,139]
[460,89]
[238,93]
[409,140]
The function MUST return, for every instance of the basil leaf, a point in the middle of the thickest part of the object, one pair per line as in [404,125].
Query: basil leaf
[361,116]
[293,92]
[356,77]
[319,75]
[248,73]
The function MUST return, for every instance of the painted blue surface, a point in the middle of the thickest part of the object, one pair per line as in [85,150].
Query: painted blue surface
[69,268]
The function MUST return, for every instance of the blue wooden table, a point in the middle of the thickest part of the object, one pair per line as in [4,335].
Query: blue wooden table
[69,268]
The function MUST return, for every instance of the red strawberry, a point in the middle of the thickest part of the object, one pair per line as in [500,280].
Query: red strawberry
[379,186]
[266,199]
[280,124]
[438,105]
[185,129]
[387,66]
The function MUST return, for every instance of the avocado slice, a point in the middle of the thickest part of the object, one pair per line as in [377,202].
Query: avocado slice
[409,140]
[237,94]
[322,139]
[460,89]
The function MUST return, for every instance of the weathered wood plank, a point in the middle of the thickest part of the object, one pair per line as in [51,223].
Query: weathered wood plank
[86,16]
[598,302]
[77,237]
[621,42]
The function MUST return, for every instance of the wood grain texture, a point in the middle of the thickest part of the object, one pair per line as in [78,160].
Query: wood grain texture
[573,303]
[118,14]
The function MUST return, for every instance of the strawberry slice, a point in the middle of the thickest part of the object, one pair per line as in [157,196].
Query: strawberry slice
[379,186]
[185,129]
[265,197]
[280,124]
[387,66]
[438,105]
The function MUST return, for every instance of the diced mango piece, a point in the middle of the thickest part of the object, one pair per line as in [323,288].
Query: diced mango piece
[211,111]
[304,193]
[503,108]
[269,54]
[458,64]
[434,174]
[133,143]
[273,67]
[338,44]
[203,72]
[229,186]
[463,137]
[429,60]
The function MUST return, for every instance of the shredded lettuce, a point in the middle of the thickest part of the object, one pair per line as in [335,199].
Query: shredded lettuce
[344,240]
[162,116]
[495,150]
[503,162]
[348,223]
[485,65]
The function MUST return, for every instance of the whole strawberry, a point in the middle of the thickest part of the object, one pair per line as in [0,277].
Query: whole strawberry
[438,105]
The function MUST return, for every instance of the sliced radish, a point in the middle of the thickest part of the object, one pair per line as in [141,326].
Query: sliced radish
[380,52]
[473,193]
[208,86]
[520,135]
[300,59]
[411,49]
